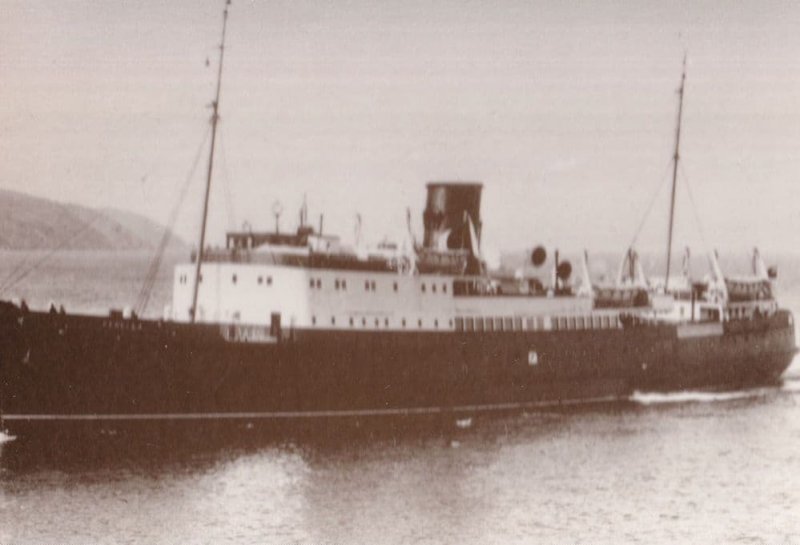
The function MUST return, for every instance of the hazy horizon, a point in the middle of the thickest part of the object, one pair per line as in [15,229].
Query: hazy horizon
[566,113]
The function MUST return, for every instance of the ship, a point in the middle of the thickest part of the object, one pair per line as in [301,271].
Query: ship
[298,325]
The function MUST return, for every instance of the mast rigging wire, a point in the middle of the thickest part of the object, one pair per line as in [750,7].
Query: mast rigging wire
[695,213]
[650,206]
[155,264]
[11,282]
[227,183]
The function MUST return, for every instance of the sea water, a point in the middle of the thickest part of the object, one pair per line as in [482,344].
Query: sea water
[688,467]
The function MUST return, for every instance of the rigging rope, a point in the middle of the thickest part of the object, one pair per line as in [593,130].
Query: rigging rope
[650,206]
[26,260]
[155,264]
[695,214]
[227,186]
[11,282]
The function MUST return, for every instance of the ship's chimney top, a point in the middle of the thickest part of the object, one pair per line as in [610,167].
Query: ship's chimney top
[449,209]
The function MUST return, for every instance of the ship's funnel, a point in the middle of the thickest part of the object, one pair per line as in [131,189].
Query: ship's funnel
[449,209]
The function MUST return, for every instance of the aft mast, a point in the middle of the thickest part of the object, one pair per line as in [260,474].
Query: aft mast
[675,174]
[214,120]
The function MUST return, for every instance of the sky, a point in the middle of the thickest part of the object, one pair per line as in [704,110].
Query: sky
[566,111]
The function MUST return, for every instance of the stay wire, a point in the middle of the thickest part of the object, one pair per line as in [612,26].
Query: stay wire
[155,265]
[24,274]
[695,213]
[650,206]
[27,259]
[226,185]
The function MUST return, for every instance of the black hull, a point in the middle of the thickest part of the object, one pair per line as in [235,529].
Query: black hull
[82,368]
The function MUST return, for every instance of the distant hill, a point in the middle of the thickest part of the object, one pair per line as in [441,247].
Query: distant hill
[35,223]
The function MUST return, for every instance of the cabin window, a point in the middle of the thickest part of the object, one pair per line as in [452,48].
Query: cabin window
[444,288]
[530,323]
[344,284]
[518,324]
[404,322]
[351,322]
[372,285]
[433,288]
[319,282]
[436,324]
[386,322]
[508,324]
[489,323]
[470,324]
[579,322]
[377,322]
[498,324]
[366,285]
[313,320]
[419,322]
[269,281]
[336,283]
[260,280]
[233,279]
[539,323]
[478,324]
[423,288]
[450,323]
[311,283]
[395,286]
[363,322]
